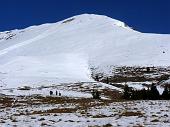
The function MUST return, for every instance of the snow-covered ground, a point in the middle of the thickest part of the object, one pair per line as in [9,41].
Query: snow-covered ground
[78,90]
[123,114]
[46,92]
[75,107]
[64,52]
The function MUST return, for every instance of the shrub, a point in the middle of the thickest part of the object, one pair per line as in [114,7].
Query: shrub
[96,94]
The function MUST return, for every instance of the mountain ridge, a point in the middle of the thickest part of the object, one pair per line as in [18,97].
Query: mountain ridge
[65,51]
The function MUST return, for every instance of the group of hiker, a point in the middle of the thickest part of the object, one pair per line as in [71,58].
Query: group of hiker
[95,94]
[57,93]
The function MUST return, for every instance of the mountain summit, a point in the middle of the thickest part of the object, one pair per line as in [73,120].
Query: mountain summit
[65,51]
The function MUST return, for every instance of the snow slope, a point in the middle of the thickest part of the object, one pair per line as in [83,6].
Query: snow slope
[64,51]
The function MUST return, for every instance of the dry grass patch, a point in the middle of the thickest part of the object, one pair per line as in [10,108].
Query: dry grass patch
[41,119]
[131,113]
[44,124]
[56,110]
[6,102]
[138,126]
[2,121]
[107,125]
[112,94]
[155,120]
[100,116]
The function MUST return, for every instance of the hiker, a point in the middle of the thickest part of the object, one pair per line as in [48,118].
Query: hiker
[59,94]
[51,92]
[56,92]
[107,80]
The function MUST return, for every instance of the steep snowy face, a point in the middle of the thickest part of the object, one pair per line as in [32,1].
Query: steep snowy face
[64,51]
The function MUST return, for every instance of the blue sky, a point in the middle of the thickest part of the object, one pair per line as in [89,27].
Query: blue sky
[151,16]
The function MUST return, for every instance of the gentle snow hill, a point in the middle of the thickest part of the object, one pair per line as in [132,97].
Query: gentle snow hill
[64,51]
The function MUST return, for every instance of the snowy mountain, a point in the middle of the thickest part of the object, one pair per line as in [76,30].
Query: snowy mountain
[65,51]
